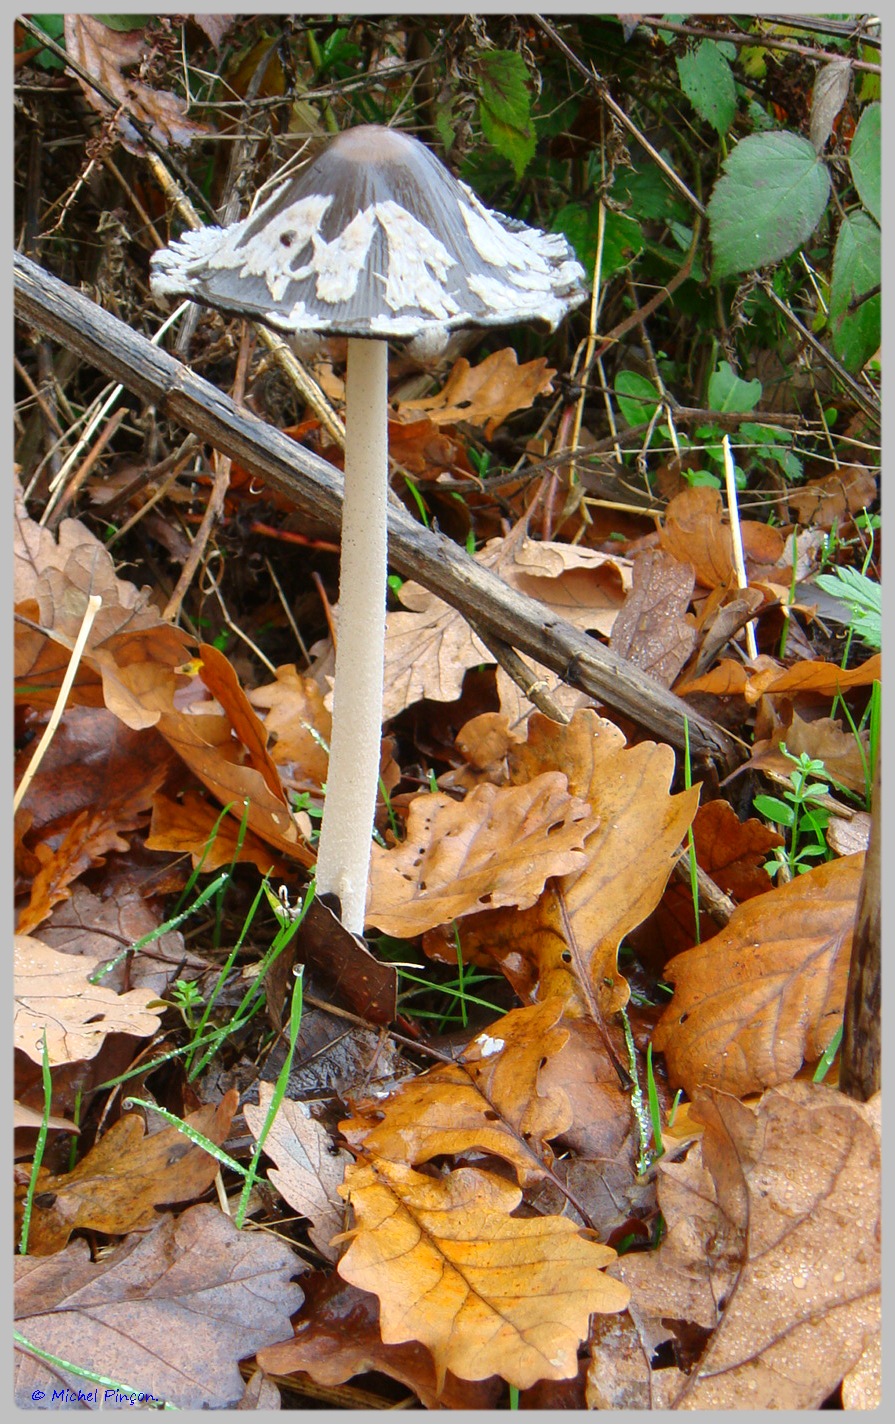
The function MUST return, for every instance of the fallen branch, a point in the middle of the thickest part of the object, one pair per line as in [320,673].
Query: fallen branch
[315,487]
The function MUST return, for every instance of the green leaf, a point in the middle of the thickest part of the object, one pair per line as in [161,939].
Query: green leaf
[864,157]
[509,141]
[707,80]
[54,26]
[863,597]
[505,107]
[622,238]
[637,397]
[856,270]
[775,810]
[727,392]
[770,199]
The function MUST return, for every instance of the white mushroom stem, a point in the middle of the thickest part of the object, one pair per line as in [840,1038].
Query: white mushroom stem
[343,858]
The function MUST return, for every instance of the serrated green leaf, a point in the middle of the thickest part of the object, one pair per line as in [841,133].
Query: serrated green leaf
[503,87]
[768,202]
[444,127]
[864,599]
[728,392]
[509,141]
[856,269]
[707,80]
[864,157]
[505,107]
[637,397]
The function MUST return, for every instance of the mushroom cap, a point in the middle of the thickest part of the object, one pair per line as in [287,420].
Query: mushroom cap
[375,238]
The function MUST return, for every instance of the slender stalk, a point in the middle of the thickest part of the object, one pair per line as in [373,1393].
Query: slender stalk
[343,861]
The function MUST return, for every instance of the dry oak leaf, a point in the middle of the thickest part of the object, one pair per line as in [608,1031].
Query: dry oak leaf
[105,925]
[693,533]
[652,629]
[53,581]
[829,501]
[54,996]
[83,846]
[846,757]
[767,993]
[205,741]
[193,825]
[116,1187]
[106,53]
[337,1336]
[484,395]
[429,646]
[309,1169]
[496,847]
[825,679]
[489,1101]
[297,722]
[567,943]
[170,1311]
[488,1293]
[772,1245]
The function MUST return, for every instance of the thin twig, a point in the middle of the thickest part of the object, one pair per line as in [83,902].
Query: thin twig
[94,604]
[739,561]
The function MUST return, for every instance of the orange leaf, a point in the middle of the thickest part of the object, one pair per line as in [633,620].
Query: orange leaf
[488,1102]
[513,1295]
[567,943]
[497,847]
[767,993]
[487,393]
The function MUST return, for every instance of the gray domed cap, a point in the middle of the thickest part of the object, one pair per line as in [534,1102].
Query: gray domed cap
[375,238]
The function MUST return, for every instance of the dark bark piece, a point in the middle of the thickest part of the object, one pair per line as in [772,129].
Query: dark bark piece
[314,486]
[859,1065]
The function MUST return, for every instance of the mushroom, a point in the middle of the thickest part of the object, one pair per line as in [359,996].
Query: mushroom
[374,241]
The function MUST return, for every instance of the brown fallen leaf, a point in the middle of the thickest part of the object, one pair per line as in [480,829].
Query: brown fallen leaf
[53,996]
[94,758]
[170,1312]
[296,722]
[497,847]
[484,395]
[194,826]
[513,1295]
[846,757]
[54,577]
[106,53]
[220,678]
[693,533]
[767,993]
[489,1101]
[732,851]
[309,1169]
[567,943]
[826,679]
[830,500]
[205,742]
[83,846]
[652,628]
[117,1185]
[429,645]
[337,1337]
[101,927]
[772,1247]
